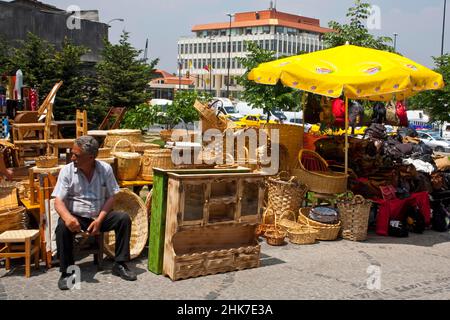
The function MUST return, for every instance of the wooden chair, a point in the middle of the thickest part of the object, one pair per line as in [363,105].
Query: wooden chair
[49,221]
[81,123]
[20,244]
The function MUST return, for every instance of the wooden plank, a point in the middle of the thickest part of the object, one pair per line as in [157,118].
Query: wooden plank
[158,223]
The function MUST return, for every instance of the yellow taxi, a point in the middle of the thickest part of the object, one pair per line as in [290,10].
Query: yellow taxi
[254,120]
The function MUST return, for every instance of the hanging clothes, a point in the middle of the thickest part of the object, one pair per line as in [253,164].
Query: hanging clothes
[401,113]
[379,113]
[34,100]
[338,109]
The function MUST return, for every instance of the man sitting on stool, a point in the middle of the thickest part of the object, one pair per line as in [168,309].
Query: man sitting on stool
[84,199]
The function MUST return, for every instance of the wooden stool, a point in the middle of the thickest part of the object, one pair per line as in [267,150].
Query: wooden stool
[32,173]
[31,249]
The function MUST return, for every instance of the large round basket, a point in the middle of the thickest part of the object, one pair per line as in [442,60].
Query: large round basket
[112,136]
[285,193]
[354,214]
[313,171]
[326,231]
[155,158]
[128,163]
[128,202]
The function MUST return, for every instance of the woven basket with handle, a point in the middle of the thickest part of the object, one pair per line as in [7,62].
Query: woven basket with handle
[128,163]
[128,202]
[285,193]
[302,235]
[113,136]
[155,158]
[354,214]
[313,170]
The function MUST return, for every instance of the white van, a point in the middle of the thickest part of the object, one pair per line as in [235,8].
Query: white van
[244,108]
[227,106]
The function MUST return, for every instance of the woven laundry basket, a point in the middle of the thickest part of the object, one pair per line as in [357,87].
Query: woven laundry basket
[128,163]
[130,203]
[354,214]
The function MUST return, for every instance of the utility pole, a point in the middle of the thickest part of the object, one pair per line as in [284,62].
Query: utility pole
[210,65]
[443,29]
[231,15]
[395,41]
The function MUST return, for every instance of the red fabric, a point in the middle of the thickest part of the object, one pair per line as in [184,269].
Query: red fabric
[395,210]
[338,109]
[310,139]
[402,115]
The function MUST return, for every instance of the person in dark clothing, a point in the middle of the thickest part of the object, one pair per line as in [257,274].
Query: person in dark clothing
[356,115]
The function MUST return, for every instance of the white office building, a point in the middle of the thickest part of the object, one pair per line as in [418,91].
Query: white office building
[284,33]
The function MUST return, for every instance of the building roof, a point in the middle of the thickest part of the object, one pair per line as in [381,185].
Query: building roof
[170,78]
[264,18]
[38,5]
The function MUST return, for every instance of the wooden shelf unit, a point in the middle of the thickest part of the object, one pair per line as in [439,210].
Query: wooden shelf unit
[210,223]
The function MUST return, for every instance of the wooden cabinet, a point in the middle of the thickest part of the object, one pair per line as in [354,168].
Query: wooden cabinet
[210,223]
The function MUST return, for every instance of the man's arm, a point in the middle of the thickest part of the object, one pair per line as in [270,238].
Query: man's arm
[70,221]
[94,227]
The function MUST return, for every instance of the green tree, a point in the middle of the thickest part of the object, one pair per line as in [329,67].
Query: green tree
[5,64]
[73,94]
[356,32]
[436,102]
[142,116]
[35,57]
[264,96]
[122,76]
[182,108]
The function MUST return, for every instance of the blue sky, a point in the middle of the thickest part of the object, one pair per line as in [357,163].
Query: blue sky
[418,22]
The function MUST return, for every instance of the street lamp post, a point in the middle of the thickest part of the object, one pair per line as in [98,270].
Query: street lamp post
[210,64]
[116,19]
[443,29]
[231,15]
[395,41]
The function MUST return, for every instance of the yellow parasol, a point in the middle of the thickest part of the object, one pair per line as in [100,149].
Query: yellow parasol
[357,72]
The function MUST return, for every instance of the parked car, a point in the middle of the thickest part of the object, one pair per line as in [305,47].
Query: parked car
[254,120]
[434,141]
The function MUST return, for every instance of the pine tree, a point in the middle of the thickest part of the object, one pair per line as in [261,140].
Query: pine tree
[122,77]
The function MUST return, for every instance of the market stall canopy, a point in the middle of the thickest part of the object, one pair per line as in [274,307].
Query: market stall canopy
[356,72]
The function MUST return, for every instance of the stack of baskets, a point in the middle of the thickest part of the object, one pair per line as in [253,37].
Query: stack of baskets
[325,231]
[354,214]
[313,170]
[155,158]
[128,202]
[113,136]
[285,193]
[128,163]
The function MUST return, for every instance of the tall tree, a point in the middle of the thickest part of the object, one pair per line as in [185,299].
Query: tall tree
[4,57]
[262,96]
[182,109]
[35,57]
[436,102]
[73,93]
[356,32]
[123,77]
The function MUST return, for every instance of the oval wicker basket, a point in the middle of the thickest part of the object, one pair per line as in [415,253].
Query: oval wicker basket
[327,232]
[128,163]
[112,136]
[302,235]
[320,180]
[155,158]
[354,214]
[275,237]
[128,202]
[46,161]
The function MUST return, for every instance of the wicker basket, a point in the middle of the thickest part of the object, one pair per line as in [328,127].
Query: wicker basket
[104,153]
[275,237]
[354,214]
[285,193]
[177,135]
[8,195]
[13,219]
[46,161]
[113,136]
[264,227]
[288,221]
[320,180]
[210,120]
[327,232]
[128,202]
[155,158]
[302,235]
[128,163]
[142,146]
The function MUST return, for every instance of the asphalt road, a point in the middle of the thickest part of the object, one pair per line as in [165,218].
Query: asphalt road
[416,267]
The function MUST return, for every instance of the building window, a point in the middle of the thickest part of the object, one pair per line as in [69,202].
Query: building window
[267,47]
[279,30]
[219,47]
[239,49]
[204,47]
[280,46]
[248,31]
[233,63]
[195,48]
[245,46]
[224,47]
[234,46]
[214,48]
[224,63]
[289,47]
[190,48]
[266,29]
[223,32]
[214,63]
[272,45]
[261,44]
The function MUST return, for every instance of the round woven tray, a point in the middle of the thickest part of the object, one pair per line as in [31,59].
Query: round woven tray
[326,231]
[128,202]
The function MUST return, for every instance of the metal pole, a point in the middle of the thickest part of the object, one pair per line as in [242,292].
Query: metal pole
[443,29]
[229,57]
[346,135]
[395,41]
[210,66]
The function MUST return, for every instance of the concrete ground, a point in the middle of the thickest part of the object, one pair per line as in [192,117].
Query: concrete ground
[416,267]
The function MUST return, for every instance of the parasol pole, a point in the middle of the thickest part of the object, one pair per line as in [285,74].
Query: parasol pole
[346,135]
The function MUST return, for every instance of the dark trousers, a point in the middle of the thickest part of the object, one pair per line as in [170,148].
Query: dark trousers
[120,222]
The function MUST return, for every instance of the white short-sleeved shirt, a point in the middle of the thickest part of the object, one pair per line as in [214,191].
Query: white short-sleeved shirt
[82,198]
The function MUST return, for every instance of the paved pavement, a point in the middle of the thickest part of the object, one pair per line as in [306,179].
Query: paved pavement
[416,267]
